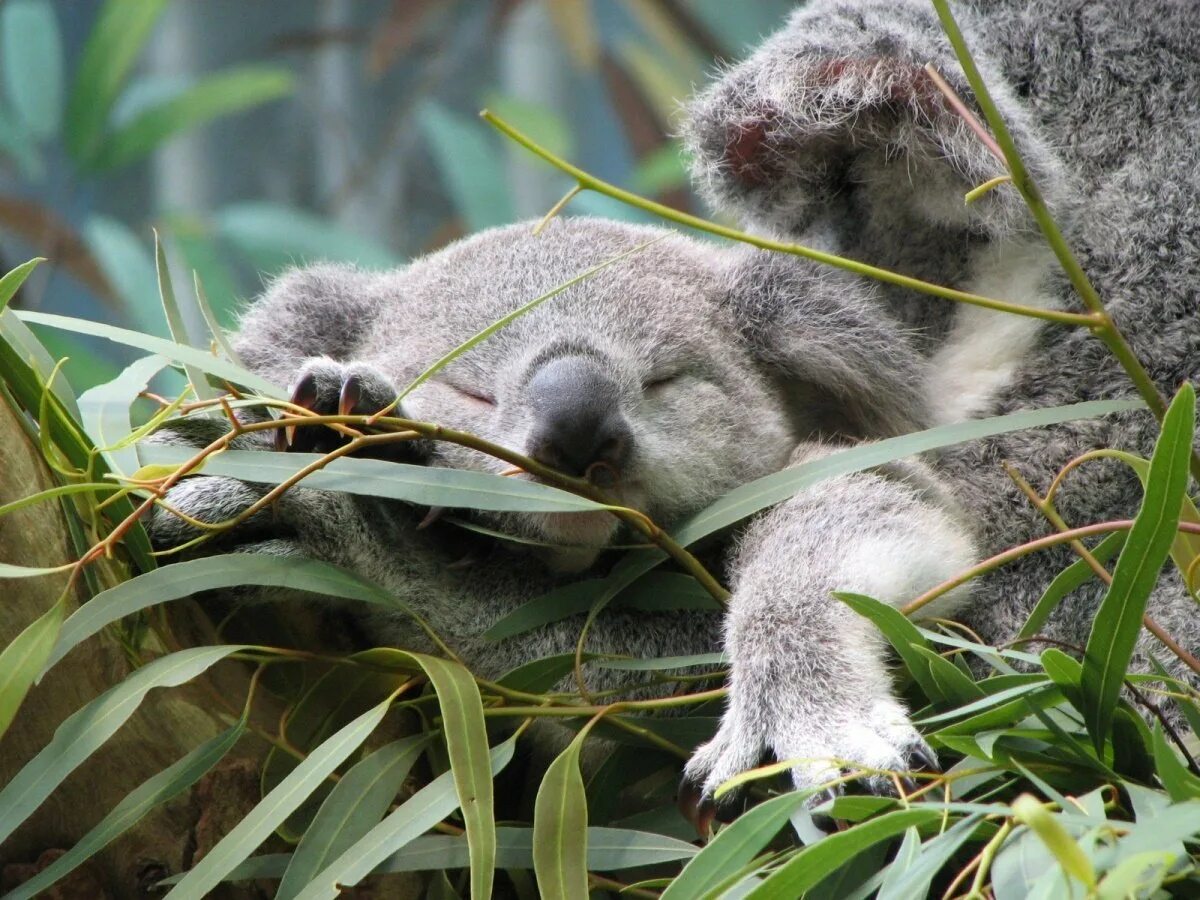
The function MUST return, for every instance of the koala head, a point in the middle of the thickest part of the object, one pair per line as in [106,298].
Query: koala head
[636,377]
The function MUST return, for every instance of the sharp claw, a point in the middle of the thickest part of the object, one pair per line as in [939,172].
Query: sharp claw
[435,513]
[925,759]
[350,395]
[282,439]
[305,392]
[910,786]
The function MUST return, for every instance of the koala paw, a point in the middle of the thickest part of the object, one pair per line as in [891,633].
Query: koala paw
[332,388]
[878,738]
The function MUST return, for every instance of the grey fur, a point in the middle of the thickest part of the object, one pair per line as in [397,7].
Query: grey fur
[829,133]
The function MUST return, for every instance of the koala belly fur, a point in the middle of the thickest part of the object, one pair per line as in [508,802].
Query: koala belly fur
[691,368]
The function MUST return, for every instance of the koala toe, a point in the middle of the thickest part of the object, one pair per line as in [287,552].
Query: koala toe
[210,499]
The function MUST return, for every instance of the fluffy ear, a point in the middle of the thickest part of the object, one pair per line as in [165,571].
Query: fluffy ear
[848,367]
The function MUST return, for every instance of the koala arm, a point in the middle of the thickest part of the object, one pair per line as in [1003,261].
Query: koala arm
[846,365]
[809,679]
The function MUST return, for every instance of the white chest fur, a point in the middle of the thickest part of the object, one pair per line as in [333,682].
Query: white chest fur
[985,348]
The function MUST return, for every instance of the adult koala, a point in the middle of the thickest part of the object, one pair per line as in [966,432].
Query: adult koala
[687,370]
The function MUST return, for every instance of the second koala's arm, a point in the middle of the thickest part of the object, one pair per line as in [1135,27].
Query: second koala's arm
[809,675]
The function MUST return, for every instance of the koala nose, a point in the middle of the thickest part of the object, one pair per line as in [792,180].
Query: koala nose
[577,419]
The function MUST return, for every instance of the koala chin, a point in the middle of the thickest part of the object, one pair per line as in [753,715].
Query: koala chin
[690,368]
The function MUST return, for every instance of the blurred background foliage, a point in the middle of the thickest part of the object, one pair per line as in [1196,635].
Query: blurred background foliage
[255,135]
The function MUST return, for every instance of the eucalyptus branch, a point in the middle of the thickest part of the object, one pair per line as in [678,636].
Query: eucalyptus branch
[585,181]
[1013,553]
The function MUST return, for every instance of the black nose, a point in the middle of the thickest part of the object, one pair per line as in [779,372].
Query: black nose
[577,417]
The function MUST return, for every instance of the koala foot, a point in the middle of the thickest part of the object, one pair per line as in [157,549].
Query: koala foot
[331,388]
[879,738]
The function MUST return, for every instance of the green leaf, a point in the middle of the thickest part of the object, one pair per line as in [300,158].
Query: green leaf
[471,169]
[1118,622]
[424,485]
[902,634]
[1065,672]
[153,792]
[275,237]
[734,846]
[467,748]
[664,662]
[226,92]
[356,805]
[33,64]
[1178,780]
[1069,579]
[174,315]
[104,412]
[251,831]
[414,817]
[128,267]
[560,828]
[84,731]
[609,850]
[202,359]
[12,280]
[187,578]
[540,674]
[815,861]
[1058,841]
[1138,876]
[23,658]
[954,685]
[915,880]
[117,38]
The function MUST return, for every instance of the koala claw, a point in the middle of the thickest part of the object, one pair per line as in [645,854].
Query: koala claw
[880,738]
[327,387]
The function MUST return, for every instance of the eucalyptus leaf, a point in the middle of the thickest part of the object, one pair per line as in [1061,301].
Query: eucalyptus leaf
[560,817]
[81,733]
[1118,622]
[410,820]
[116,39]
[258,824]
[151,793]
[104,412]
[23,658]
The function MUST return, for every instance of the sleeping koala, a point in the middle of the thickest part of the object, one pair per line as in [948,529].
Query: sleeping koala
[688,369]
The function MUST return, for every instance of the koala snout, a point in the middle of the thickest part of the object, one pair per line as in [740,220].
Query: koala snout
[576,416]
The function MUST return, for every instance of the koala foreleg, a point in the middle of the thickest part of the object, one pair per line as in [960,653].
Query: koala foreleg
[809,678]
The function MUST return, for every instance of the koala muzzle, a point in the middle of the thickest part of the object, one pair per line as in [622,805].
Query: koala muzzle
[577,419]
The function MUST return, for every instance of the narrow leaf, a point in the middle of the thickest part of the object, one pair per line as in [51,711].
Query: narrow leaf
[1070,579]
[84,731]
[814,862]
[356,805]
[414,817]
[203,360]
[226,92]
[1178,780]
[116,39]
[175,323]
[560,828]
[23,658]
[1058,841]
[104,412]
[425,485]
[12,280]
[734,846]
[1119,620]
[902,635]
[151,793]
[251,831]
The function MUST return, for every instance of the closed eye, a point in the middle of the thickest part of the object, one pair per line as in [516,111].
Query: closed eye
[661,381]
[475,395]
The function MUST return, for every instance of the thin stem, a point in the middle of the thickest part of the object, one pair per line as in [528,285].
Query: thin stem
[1013,553]
[1046,508]
[592,183]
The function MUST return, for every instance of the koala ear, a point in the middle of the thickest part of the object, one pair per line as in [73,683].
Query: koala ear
[847,366]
